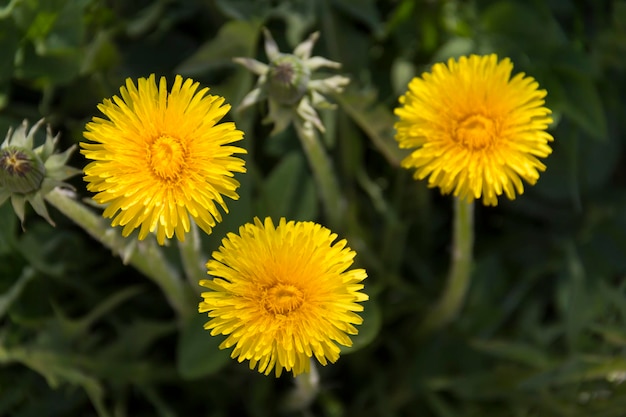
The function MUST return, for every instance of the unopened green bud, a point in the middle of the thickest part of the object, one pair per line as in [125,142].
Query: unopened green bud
[21,170]
[288,79]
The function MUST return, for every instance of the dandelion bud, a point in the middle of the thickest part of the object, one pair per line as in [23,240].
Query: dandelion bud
[28,173]
[21,170]
[290,85]
[288,79]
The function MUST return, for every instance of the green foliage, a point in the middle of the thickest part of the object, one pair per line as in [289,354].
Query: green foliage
[542,332]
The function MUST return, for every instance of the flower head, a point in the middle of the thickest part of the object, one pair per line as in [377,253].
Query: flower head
[477,131]
[289,84]
[283,294]
[27,174]
[162,158]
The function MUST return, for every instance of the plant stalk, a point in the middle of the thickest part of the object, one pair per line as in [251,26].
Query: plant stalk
[145,256]
[192,260]
[457,285]
[325,178]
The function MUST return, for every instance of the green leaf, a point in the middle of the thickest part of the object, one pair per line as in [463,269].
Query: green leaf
[137,337]
[402,72]
[582,104]
[495,383]
[454,48]
[9,41]
[235,38]
[440,405]
[37,251]
[68,30]
[198,353]
[576,371]
[74,328]
[158,402]
[8,223]
[368,330]
[522,23]
[364,11]
[7,298]
[289,190]
[41,25]
[102,53]
[613,335]
[52,69]
[561,179]
[375,120]
[242,10]
[516,352]
[573,296]
[299,17]
[147,18]
[55,367]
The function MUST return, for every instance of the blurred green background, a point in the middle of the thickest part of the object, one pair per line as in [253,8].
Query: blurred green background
[543,330]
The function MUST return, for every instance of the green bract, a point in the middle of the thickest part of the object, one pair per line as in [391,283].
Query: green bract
[289,85]
[27,174]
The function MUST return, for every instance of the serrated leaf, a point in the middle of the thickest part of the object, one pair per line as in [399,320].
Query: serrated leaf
[54,366]
[7,298]
[77,327]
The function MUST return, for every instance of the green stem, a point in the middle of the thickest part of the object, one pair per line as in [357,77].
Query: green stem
[145,256]
[191,257]
[304,393]
[320,164]
[8,9]
[451,301]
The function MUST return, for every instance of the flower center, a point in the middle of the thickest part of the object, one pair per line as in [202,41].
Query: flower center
[166,156]
[21,170]
[288,79]
[15,162]
[282,299]
[475,132]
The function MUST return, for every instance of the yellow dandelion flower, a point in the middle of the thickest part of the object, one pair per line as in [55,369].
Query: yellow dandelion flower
[283,294]
[478,132]
[162,158]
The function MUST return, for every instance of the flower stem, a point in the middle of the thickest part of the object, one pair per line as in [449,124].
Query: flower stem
[145,257]
[320,164]
[191,257]
[304,393]
[451,301]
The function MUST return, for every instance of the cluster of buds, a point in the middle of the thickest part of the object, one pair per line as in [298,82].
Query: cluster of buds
[27,173]
[289,85]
